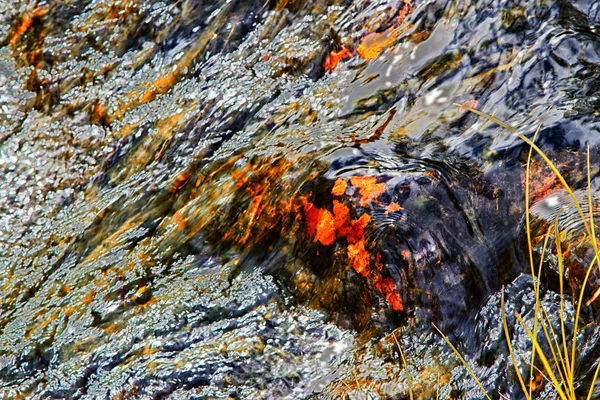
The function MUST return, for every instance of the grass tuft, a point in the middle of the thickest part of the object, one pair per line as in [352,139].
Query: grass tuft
[559,364]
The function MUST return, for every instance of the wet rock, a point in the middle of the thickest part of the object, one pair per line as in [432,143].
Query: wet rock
[194,205]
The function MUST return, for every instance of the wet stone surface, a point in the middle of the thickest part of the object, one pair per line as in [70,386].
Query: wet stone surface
[276,199]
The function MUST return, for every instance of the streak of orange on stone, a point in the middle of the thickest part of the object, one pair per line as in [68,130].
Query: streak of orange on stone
[392,207]
[312,218]
[26,22]
[368,187]
[180,181]
[359,256]
[321,223]
[387,286]
[373,44]
[339,188]
[325,228]
[160,85]
[333,59]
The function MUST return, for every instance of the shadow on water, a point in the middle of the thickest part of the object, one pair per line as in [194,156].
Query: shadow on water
[264,199]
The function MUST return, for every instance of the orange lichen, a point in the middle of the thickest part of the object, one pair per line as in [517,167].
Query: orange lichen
[392,207]
[406,254]
[359,257]
[406,9]
[89,297]
[368,187]
[342,216]
[339,188]
[179,218]
[388,288]
[334,57]
[26,22]
[140,292]
[98,113]
[373,44]
[537,383]
[161,85]
[325,228]
[419,37]
[357,229]
[179,181]
[256,207]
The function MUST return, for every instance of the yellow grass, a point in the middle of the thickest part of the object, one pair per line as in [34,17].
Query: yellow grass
[559,365]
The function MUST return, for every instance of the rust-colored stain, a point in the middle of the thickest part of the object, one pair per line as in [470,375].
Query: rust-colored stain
[392,207]
[373,44]
[368,187]
[334,57]
[26,23]
[420,37]
[325,227]
[180,181]
[180,220]
[359,256]
[161,85]
[89,297]
[537,383]
[405,11]
[388,288]
[339,188]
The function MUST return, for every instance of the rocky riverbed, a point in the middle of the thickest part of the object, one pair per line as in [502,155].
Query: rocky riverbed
[277,199]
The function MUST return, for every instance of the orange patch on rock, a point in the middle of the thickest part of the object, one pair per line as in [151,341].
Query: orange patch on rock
[359,257]
[179,181]
[312,218]
[339,188]
[325,228]
[26,22]
[333,59]
[357,228]
[406,254]
[368,187]
[373,44]
[406,9]
[392,207]
[388,288]
[89,297]
[161,85]
[321,223]
[342,216]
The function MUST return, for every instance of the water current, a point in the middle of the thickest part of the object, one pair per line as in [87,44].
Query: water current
[278,199]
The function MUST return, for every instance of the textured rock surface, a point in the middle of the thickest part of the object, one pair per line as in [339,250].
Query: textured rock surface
[249,198]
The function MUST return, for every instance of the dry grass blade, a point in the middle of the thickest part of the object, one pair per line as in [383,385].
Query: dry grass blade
[536,288]
[559,257]
[489,117]
[461,358]
[405,365]
[510,348]
[564,383]
[564,184]
[591,390]
[592,234]
[555,383]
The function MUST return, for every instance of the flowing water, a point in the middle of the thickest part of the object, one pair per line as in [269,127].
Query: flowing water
[276,199]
